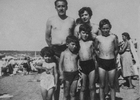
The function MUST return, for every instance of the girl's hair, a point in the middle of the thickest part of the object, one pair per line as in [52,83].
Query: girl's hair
[88,9]
[47,51]
[126,35]
[71,38]
[85,27]
[61,0]
[104,22]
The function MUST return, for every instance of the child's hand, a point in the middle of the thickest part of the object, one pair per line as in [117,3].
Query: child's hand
[61,78]
[55,87]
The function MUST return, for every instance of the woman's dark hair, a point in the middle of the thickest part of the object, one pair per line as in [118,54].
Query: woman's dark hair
[88,9]
[126,35]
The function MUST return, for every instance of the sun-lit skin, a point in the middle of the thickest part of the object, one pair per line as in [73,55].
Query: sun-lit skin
[84,35]
[105,30]
[61,8]
[85,17]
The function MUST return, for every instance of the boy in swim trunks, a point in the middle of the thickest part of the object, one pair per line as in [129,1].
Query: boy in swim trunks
[68,67]
[48,79]
[106,46]
[87,61]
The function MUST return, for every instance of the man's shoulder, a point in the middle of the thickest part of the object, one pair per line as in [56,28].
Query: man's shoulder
[70,19]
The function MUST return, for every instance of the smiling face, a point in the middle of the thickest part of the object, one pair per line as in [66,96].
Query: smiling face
[47,59]
[85,17]
[61,8]
[105,29]
[84,35]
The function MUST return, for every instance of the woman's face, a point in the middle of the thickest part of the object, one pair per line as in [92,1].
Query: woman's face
[123,37]
[85,17]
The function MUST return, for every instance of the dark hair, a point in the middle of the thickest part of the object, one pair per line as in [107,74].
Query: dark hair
[61,0]
[126,35]
[88,9]
[71,38]
[85,27]
[104,22]
[47,51]
[78,21]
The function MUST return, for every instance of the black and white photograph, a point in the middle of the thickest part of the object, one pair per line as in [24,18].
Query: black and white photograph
[69,49]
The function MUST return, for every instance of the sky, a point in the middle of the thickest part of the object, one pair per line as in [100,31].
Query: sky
[23,22]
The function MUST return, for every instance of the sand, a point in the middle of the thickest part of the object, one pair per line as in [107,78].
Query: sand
[27,88]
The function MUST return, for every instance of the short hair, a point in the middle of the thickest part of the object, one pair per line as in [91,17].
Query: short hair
[47,51]
[85,27]
[71,38]
[126,35]
[88,9]
[104,22]
[61,0]
[78,21]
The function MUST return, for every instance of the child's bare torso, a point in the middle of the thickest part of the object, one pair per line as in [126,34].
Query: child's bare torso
[70,61]
[60,29]
[86,50]
[106,46]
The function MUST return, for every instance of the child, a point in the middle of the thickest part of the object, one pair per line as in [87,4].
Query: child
[68,67]
[87,61]
[106,49]
[48,78]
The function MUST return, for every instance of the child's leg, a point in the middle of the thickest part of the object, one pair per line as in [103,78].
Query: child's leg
[73,90]
[111,75]
[66,90]
[83,87]
[50,93]
[92,84]
[44,93]
[102,75]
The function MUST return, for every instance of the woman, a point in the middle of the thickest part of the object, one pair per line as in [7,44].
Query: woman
[126,59]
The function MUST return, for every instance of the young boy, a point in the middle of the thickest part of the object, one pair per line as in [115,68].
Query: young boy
[68,67]
[106,50]
[48,79]
[87,61]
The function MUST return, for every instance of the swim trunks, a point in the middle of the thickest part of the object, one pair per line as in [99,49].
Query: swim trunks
[87,66]
[58,49]
[106,64]
[71,76]
[47,81]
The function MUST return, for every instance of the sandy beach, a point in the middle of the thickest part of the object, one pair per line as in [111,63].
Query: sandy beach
[27,88]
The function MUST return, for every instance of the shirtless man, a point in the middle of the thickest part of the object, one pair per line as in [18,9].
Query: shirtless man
[59,27]
[106,49]
[85,15]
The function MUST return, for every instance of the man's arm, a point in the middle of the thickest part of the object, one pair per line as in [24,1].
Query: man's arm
[73,27]
[61,64]
[48,37]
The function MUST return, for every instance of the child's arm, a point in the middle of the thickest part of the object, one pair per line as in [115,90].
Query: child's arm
[116,43]
[61,65]
[96,46]
[55,76]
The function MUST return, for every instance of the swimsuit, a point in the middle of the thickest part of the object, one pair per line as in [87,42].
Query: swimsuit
[47,81]
[106,64]
[71,76]
[58,49]
[87,66]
